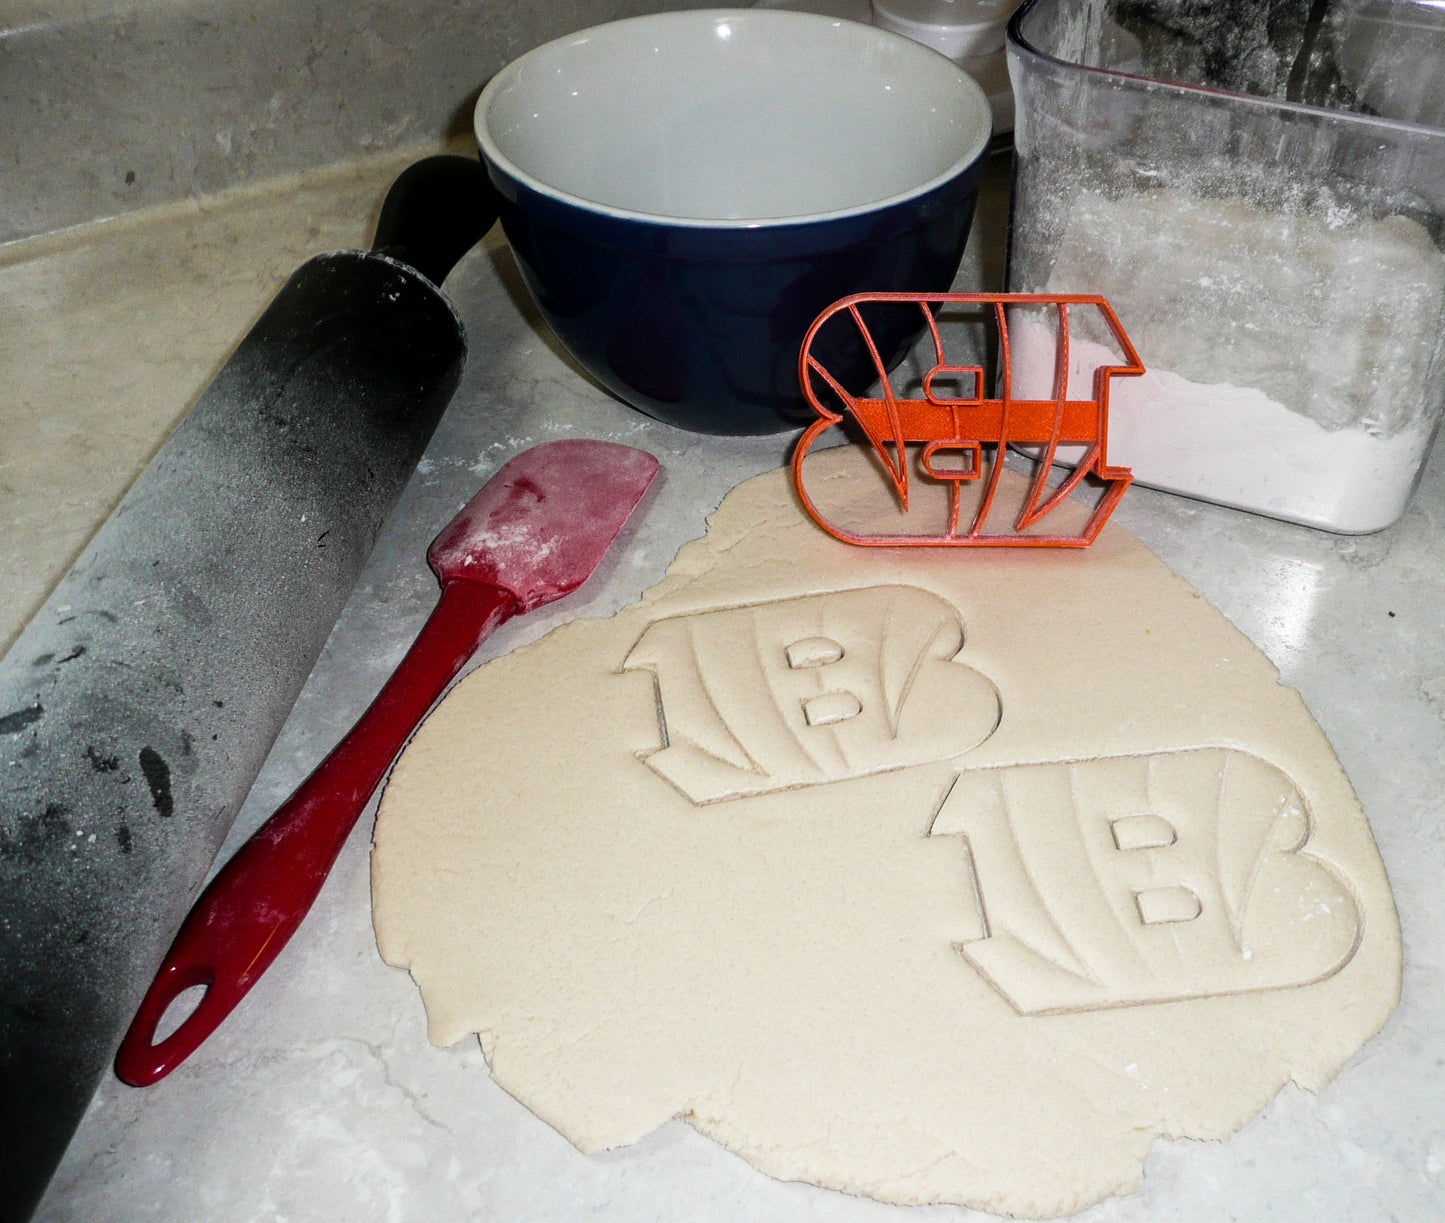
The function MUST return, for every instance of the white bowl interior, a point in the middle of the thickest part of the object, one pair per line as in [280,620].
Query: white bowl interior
[732,117]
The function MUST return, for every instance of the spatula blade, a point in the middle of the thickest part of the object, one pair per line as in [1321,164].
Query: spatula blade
[541,525]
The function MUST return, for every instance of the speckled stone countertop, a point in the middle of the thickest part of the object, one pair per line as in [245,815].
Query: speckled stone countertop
[320,1098]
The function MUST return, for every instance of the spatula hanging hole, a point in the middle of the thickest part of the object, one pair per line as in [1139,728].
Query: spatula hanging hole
[182,1007]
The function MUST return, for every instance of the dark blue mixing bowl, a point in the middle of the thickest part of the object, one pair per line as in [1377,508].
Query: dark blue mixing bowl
[687,292]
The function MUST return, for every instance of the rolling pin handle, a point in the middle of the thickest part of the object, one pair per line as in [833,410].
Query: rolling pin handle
[436,211]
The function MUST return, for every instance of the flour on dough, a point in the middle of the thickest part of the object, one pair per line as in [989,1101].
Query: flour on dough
[921,874]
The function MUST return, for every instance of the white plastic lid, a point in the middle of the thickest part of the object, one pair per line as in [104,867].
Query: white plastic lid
[960,29]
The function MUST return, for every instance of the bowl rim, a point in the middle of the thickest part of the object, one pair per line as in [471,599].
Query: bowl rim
[499,162]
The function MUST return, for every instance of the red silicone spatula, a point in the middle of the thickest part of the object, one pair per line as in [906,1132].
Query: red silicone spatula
[533,534]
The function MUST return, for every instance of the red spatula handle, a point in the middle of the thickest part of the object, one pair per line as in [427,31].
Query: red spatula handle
[258,899]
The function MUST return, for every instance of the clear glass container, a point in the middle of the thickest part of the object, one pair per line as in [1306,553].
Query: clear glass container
[1259,190]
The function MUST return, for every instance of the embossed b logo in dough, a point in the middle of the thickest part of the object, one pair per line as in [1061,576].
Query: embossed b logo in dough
[1118,881]
[808,976]
[820,688]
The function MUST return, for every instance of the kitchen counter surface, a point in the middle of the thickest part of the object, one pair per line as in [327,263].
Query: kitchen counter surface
[321,1098]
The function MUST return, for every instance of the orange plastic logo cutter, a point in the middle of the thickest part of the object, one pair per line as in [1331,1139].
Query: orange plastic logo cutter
[955,435]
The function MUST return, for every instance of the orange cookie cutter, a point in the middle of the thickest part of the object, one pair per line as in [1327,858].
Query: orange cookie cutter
[972,424]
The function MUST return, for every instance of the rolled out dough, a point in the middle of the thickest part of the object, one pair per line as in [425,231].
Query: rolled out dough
[929,875]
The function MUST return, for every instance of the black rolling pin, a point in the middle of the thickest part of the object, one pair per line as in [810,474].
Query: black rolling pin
[138,706]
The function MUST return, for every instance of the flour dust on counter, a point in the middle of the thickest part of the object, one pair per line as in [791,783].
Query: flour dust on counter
[924,875]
